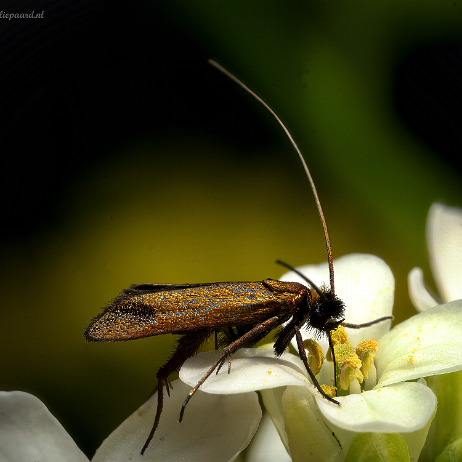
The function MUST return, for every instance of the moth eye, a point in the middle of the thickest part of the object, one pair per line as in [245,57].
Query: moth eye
[317,319]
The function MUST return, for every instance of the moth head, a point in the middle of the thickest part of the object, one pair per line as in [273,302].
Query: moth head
[327,312]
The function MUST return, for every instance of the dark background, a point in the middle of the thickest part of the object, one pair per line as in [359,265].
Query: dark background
[127,158]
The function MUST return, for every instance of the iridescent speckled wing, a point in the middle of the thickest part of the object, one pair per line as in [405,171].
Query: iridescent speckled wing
[149,309]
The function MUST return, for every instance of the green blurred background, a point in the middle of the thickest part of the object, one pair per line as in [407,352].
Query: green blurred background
[126,158]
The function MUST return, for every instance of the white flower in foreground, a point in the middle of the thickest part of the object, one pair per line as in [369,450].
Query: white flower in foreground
[424,345]
[444,241]
[220,423]
[29,432]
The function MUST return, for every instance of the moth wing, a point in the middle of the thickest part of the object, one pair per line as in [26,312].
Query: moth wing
[155,288]
[145,310]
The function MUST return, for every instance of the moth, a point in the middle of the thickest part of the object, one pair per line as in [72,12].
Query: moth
[239,314]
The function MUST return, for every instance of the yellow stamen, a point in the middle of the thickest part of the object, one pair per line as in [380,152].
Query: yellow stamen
[315,355]
[340,341]
[355,366]
[329,391]
[339,335]
[366,345]
[349,369]
[343,350]
[364,351]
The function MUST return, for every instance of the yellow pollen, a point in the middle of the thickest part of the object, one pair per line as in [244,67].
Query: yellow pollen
[350,360]
[341,351]
[366,346]
[349,370]
[341,344]
[339,335]
[355,366]
[364,351]
[315,355]
[329,391]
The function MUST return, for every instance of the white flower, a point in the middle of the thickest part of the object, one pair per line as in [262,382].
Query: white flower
[217,428]
[444,241]
[28,432]
[424,345]
[224,414]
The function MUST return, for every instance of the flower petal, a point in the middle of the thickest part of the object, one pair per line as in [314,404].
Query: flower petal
[309,438]
[251,369]
[272,401]
[405,407]
[378,446]
[366,285]
[266,445]
[28,431]
[448,422]
[416,440]
[420,297]
[444,238]
[214,428]
[427,344]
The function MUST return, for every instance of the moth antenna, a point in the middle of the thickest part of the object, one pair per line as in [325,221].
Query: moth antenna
[307,171]
[308,280]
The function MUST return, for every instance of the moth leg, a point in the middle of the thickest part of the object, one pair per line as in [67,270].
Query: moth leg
[160,405]
[302,352]
[186,347]
[247,339]
[168,386]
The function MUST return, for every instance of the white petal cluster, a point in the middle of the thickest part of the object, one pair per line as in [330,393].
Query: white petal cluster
[224,415]
[444,241]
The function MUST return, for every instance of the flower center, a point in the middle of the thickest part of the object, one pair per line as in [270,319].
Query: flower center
[355,366]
